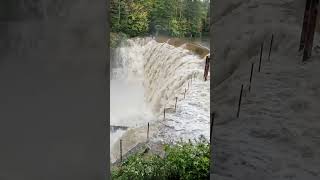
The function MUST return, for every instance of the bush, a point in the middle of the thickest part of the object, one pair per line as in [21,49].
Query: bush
[116,39]
[184,160]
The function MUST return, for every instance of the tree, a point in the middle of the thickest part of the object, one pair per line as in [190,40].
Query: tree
[178,18]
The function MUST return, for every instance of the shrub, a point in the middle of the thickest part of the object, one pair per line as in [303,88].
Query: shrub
[184,160]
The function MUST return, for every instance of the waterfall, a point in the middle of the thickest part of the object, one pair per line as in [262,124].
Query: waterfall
[148,76]
[162,69]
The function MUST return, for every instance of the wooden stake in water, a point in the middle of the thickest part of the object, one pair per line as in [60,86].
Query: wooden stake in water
[252,64]
[175,106]
[239,105]
[270,48]
[206,68]
[120,150]
[164,113]
[261,51]
[148,133]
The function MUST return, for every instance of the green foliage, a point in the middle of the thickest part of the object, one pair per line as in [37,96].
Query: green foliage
[116,39]
[178,18]
[185,161]
[130,16]
[178,28]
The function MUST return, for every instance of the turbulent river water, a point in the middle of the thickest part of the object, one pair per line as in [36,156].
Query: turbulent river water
[148,76]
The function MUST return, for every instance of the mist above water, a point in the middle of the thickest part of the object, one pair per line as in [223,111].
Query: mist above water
[128,107]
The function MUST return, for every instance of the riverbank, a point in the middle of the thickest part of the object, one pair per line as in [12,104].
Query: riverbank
[147,147]
[165,161]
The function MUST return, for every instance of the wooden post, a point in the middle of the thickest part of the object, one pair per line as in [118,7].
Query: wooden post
[148,133]
[310,30]
[239,105]
[164,113]
[120,150]
[270,48]
[252,65]
[261,51]
[175,106]
[305,24]
[206,68]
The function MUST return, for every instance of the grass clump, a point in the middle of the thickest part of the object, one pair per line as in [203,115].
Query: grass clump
[184,160]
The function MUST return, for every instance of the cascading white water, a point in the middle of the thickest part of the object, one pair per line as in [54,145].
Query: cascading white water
[147,77]
[127,93]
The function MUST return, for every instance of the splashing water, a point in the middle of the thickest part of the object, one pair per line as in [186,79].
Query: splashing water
[147,77]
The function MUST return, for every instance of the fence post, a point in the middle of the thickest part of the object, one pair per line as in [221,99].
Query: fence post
[120,150]
[211,126]
[270,48]
[252,65]
[261,51]
[175,106]
[239,105]
[148,133]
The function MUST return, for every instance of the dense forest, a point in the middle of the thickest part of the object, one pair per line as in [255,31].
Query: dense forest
[177,18]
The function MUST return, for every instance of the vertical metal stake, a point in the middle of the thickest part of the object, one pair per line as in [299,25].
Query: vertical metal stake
[120,150]
[175,106]
[252,65]
[148,133]
[270,48]
[211,126]
[261,51]
[239,105]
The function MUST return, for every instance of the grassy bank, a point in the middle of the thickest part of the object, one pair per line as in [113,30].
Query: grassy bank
[184,160]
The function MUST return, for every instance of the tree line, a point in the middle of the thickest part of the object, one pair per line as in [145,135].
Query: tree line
[177,18]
